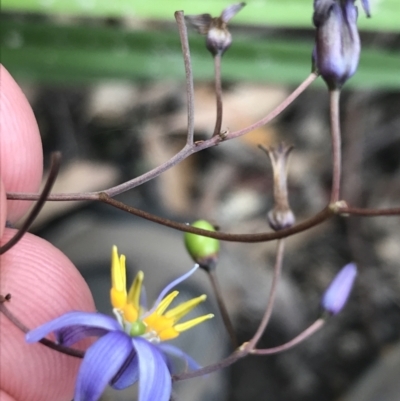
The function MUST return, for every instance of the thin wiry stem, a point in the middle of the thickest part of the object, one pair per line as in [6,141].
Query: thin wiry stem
[334,100]
[218,94]
[369,212]
[222,307]
[50,344]
[180,156]
[54,168]
[241,353]
[278,109]
[180,20]
[290,344]
[271,299]
[259,237]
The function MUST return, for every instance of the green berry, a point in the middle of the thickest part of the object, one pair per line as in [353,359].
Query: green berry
[200,248]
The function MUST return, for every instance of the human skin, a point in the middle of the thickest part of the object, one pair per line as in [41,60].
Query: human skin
[42,282]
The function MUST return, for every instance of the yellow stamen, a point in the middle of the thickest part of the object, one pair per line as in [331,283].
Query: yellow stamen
[183,309]
[131,314]
[191,323]
[158,323]
[118,279]
[134,291]
[163,305]
[168,334]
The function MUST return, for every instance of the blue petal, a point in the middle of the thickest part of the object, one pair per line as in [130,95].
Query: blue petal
[128,374]
[176,352]
[170,286]
[73,319]
[72,334]
[101,363]
[336,295]
[155,380]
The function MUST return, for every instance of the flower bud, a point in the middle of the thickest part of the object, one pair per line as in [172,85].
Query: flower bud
[336,295]
[218,37]
[203,250]
[337,45]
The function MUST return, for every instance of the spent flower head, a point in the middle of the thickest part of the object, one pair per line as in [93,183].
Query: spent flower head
[129,348]
[218,37]
[281,215]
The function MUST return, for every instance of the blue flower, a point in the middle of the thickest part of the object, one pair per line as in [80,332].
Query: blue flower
[129,348]
[337,46]
[336,295]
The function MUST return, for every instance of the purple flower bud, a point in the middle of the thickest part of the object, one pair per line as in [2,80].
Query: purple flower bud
[336,295]
[337,45]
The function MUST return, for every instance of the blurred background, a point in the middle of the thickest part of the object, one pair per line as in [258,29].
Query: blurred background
[106,82]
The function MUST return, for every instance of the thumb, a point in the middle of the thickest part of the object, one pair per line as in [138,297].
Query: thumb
[43,285]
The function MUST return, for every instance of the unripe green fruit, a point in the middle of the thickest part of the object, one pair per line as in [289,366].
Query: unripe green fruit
[138,328]
[201,248]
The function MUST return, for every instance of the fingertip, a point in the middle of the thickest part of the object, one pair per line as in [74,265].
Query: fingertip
[21,155]
[3,208]
[43,284]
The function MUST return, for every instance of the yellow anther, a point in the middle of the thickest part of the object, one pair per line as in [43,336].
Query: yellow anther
[130,313]
[163,305]
[168,334]
[118,298]
[134,291]
[118,272]
[183,309]
[158,323]
[118,279]
[191,323]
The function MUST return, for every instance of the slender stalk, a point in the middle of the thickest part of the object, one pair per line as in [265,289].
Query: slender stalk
[54,168]
[222,307]
[180,20]
[278,109]
[240,353]
[271,299]
[290,344]
[218,94]
[334,99]
[369,212]
[47,343]
[231,359]
[259,237]
[180,156]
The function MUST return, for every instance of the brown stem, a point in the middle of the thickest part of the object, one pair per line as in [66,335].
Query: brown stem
[278,109]
[271,299]
[369,212]
[334,99]
[290,344]
[54,168]
[218,94]
[222,307]
[50,344]
[240,353]
[180,20]
[181,155]
[250,238]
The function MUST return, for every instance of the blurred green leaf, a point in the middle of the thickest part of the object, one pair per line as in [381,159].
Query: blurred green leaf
[284,13]
[47,52]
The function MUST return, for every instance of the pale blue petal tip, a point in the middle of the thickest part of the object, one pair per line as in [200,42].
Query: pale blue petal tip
[336,295]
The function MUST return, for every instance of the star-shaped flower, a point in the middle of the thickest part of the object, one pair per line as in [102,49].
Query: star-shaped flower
[129,348]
